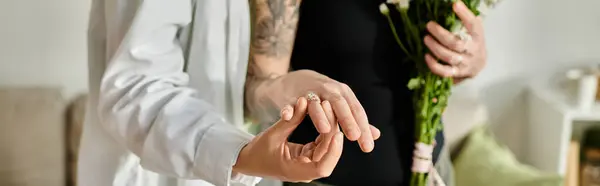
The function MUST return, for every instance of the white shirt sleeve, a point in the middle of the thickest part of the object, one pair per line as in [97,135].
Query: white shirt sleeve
[147,106]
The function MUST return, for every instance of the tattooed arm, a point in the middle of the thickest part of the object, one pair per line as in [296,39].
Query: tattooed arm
[274,32]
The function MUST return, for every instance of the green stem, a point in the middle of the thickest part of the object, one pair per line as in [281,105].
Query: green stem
[395,33]
[407,25]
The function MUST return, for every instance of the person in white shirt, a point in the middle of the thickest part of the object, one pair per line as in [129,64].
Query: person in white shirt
[166,81]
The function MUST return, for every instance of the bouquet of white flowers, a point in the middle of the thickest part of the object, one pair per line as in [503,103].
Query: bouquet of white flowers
[431,92]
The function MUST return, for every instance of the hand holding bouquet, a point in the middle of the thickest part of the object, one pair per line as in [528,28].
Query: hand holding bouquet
[448,30]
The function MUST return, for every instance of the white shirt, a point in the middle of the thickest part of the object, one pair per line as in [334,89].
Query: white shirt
[148,121]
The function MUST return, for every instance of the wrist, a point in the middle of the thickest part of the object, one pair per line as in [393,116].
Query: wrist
[264,88]
[261,96]
[241,164]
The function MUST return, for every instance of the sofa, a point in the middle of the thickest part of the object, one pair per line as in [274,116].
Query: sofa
[40,131]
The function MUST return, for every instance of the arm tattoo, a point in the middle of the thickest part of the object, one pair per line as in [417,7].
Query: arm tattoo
[275,27]
[259,109]
[274,31]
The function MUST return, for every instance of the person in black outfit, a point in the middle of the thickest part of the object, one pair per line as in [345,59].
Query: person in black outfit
[349,43]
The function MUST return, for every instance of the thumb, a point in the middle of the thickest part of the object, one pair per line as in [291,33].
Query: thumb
[287,112]
[285,127]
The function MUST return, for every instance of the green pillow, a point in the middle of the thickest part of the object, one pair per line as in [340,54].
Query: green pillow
[252,128]
[482,161]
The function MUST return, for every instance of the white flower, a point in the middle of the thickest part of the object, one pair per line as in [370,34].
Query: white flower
[486,5]
[457,28]
[384,9]
[403,4]
[461,31]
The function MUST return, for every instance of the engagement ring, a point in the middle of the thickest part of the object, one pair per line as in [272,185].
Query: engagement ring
[311,96]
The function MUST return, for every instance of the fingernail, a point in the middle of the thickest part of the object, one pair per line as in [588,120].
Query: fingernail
[339,136]
[368,145]
[286,115]
[286,108]
[286,112]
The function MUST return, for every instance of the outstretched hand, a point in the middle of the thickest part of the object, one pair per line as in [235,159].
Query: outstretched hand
[344,103]
[325,110]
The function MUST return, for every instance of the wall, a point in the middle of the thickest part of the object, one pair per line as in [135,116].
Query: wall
[530,40]
[43,43]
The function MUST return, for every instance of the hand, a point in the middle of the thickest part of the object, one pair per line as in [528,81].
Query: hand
[271,155]
[346,107]
[466,56]
[311,150]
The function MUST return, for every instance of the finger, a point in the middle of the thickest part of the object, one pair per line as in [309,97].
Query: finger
[438,68]
[375,132]
[344,116]
[464,72]
[465,15]
[331,158]
[443,53]
[330,116]
[308,154]
[308,148]
[322,147]
[287,112]
[459,80]
[366,139]
[324,167]
[324,139]
[318,117]
[303,159]
[472,23]
[445,37]
[300,110]
[283,129]
[294,149]
[287,152]
[319,139]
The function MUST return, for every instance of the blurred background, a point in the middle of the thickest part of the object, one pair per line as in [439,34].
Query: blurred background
[534,95]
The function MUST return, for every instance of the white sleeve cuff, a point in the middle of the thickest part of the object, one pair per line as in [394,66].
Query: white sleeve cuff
[218,152]
[245,180]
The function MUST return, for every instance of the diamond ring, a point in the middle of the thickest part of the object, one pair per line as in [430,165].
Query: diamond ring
[311,96]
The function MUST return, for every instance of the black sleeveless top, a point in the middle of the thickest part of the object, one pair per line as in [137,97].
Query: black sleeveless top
[351,42]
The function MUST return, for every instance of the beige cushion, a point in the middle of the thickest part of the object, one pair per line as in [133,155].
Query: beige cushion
[75,119]
[32,143]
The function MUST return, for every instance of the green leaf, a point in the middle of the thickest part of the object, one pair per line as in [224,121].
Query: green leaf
[442,99]
[414,83]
